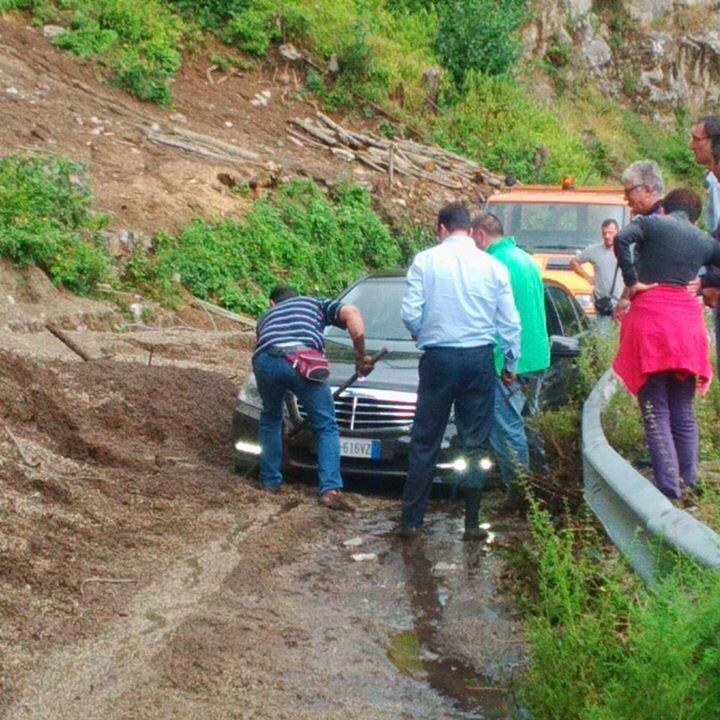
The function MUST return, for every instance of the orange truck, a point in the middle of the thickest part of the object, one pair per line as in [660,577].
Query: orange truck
[554,223]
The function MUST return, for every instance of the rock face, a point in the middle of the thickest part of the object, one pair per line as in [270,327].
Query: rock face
[665,54]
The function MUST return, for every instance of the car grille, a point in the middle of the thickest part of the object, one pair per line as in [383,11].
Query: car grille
[372,410]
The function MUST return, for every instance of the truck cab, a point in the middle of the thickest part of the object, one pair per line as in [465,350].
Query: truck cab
[554,223]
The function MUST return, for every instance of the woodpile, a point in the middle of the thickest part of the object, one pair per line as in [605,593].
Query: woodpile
[393,157]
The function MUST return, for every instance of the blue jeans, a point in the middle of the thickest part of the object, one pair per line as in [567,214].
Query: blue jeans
[510,439]
[275,377]
[465,377]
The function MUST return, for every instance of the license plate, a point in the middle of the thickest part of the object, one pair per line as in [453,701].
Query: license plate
[358,447]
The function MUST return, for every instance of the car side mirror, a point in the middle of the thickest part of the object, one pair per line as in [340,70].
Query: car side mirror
[564,347]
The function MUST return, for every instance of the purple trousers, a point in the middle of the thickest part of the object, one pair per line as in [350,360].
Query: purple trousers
[666,404]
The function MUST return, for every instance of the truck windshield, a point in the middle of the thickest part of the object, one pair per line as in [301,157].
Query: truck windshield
[556,226]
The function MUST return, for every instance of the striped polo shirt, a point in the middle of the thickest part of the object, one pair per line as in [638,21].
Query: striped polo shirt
[297,321]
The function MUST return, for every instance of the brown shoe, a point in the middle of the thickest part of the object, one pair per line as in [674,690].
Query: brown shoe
[335,500]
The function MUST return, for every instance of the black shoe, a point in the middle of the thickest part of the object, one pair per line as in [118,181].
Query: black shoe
[476,534]
[515,501]
[409,531]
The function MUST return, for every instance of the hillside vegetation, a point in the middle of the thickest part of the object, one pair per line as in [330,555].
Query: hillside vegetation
[377,53]
[488,105]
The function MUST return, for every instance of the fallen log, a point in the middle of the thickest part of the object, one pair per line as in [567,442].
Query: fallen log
[63,338]
[222,312]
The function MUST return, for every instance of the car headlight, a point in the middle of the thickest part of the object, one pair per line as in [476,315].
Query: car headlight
[249,401]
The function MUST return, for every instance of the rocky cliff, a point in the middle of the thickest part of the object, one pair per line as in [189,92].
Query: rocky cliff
[662,54]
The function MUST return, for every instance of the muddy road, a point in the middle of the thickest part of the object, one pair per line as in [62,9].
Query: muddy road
[296,613]
[141,578]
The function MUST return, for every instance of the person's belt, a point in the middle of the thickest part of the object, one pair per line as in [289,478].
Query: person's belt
[283,350]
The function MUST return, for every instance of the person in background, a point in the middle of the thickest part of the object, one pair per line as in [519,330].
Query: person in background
[662,357]
[606,280]
[644,189]
[458,301]
[293,323]
[705,145]
[509,437]
[704,134]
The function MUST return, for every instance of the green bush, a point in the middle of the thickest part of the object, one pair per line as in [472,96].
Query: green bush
[479,36]
[251,31]
[45,220]
[300,237]
[137,42]
[501,126]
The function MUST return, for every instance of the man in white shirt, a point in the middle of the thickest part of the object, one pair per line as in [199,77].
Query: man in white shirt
[458,301]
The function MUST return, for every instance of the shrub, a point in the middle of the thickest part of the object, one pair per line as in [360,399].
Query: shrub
[45,220]
[603,648]
[137,42]
[301,237]
[479,36]
[501,126]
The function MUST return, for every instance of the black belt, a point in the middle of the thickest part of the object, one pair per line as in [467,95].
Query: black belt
[282,351]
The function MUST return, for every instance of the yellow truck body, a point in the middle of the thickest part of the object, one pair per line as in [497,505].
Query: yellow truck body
[554,223]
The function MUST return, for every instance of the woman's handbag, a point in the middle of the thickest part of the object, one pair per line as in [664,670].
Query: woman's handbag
[309,364]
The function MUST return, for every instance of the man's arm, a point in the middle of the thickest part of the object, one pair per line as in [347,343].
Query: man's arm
[576,266]
[507,321]
[350,316]
[414,300]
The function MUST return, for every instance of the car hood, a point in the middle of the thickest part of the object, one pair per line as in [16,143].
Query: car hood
[398,370]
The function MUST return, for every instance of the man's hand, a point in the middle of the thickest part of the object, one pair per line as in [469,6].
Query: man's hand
[693,287]
[711,297]
[364,365]
[507,378]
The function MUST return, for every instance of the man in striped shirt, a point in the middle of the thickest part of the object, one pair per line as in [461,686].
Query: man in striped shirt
[292,323]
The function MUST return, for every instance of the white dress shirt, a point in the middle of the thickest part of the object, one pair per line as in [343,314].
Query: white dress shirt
[459,296]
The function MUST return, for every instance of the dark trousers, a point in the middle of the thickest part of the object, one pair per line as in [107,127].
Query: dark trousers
[666,404]
[465,377]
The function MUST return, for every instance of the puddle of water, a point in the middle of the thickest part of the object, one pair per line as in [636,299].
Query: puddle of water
[417,652]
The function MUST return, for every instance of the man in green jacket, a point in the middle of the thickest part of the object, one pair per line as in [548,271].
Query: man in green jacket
[519,398]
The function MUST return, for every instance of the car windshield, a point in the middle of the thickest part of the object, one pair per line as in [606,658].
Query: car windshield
[556,226]
[379,300]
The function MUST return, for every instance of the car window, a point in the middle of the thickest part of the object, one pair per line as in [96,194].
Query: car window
[554,326]
[379,301]
[563,315]
[569,226]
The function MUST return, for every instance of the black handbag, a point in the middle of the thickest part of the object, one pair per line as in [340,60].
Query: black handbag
[605,305]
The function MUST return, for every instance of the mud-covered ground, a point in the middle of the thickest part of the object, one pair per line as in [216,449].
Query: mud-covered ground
[141,578]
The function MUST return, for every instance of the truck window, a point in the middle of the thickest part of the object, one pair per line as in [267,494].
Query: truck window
[555,226]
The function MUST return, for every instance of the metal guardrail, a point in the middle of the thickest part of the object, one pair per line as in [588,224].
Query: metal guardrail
[642,523]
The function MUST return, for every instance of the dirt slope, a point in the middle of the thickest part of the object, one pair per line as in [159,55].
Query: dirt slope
[54,103]
[139,577]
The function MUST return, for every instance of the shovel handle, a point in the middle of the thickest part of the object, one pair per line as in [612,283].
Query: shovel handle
[354,377]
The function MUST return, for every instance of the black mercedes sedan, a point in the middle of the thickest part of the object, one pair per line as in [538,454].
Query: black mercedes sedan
[375,414]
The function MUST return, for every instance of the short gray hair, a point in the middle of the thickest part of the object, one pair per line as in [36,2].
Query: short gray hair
[644,172]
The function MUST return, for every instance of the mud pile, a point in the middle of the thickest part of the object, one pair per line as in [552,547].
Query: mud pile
[104,468]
